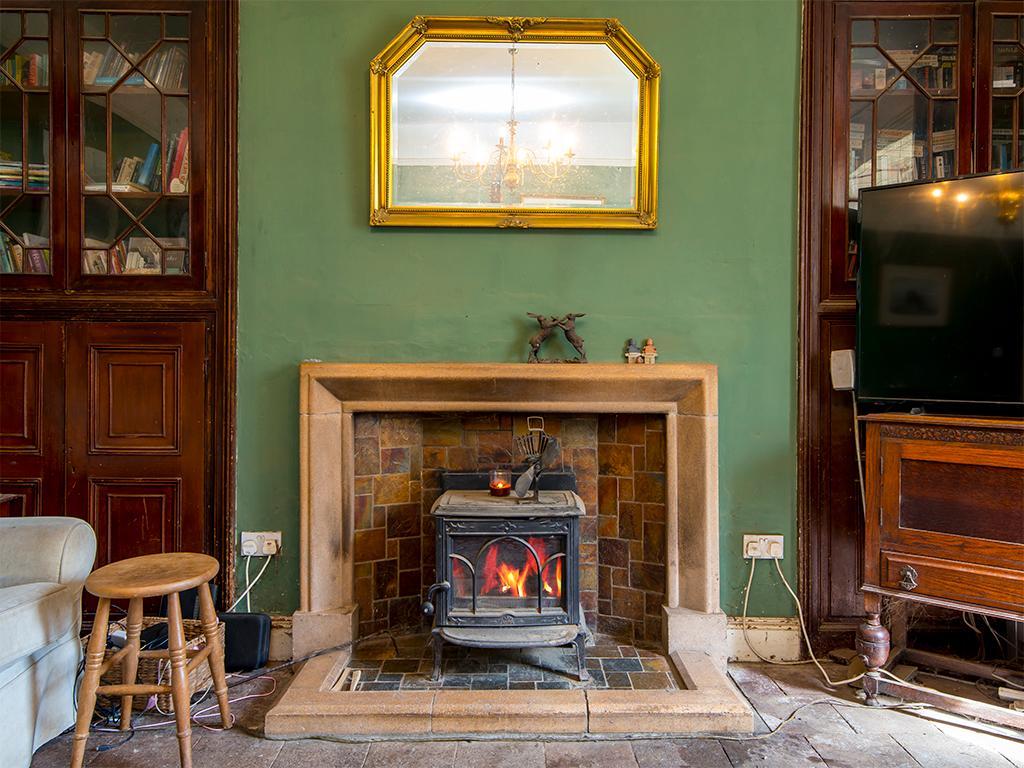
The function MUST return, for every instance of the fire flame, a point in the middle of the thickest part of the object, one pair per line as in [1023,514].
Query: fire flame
[505,579]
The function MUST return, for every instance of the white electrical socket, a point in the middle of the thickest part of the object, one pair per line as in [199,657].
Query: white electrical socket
[258,543]
[762,546]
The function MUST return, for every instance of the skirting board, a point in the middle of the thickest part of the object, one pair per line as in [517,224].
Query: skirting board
[281,638]
[776,638]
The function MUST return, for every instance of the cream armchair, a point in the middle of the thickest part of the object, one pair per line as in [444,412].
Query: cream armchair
[43,564]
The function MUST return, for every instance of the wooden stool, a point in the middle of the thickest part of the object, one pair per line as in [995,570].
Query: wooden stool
[135,579]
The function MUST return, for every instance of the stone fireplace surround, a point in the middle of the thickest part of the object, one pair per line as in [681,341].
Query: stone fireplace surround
[693,626]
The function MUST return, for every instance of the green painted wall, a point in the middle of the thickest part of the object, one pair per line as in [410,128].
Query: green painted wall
[715,282]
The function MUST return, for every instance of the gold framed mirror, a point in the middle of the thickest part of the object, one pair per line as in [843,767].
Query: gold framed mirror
[514,122]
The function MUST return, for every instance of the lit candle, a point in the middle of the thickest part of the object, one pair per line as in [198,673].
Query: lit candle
[501,482]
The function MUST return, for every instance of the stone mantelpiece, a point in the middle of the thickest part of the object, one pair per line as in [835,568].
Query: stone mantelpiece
[686,394]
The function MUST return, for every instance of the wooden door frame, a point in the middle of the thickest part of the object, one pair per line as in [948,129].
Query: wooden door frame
[223,233]
[815,160]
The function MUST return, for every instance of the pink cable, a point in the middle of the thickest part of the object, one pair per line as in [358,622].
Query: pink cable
[202,712]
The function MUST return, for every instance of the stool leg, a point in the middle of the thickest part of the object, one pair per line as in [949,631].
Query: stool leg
[90,680]
[208,618]
[130,664]
[179,679]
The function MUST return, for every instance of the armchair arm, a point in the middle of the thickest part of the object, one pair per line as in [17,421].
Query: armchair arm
[55,549]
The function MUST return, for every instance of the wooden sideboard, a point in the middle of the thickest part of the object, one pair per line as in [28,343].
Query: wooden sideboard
[944,523]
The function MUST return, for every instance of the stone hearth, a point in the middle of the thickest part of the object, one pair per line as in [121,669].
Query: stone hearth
[693,627]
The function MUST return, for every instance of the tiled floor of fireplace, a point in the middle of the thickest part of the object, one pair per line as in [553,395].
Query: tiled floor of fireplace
[612,665]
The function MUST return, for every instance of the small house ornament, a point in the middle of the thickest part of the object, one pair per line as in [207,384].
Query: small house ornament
[650,352]
[637,356]
[632,353]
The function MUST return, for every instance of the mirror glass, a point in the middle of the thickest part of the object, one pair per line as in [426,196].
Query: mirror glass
[515,125]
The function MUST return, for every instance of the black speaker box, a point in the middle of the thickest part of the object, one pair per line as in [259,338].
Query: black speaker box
[246,640]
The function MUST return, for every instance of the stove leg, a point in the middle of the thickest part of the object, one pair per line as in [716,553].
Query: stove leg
[581,656]
[438,644]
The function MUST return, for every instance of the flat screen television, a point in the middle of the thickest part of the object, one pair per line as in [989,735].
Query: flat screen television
[940,292]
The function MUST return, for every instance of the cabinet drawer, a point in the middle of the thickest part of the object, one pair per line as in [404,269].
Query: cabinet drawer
[963,503]
[957,581]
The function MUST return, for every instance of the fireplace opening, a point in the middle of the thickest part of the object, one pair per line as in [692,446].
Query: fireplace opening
[404,462]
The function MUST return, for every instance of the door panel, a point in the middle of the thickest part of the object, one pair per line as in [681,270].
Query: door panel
[140,516]
[136,417]
[134,399]
[31,417]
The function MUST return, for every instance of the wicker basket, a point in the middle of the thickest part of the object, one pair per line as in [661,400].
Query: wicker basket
[157,671]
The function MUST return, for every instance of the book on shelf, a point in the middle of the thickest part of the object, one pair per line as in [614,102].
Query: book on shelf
[903,57]
[177,162]
[128,175]
[175,255]
[168,68]
[10,255]
[857,135]
[1002,156]
[94,262]
[11,175]
[31,70]
[13,254]
[1007,75]
[38,260]
[142,257]
[128,187]
[150,167]
[127,170]
[100,69]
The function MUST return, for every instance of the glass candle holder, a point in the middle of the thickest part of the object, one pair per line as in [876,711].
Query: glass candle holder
[500,482]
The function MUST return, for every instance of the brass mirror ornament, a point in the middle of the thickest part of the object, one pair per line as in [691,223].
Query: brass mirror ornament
[515,123]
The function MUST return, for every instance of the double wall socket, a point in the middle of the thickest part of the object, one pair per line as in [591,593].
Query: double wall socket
[762,546]
[261,542]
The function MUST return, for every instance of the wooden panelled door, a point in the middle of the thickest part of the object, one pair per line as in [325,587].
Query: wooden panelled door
[117,270]
[135,422]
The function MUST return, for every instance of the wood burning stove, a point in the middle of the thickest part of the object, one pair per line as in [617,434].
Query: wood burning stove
[508,573]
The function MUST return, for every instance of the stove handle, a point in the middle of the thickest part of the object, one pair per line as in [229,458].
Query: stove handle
[428,607]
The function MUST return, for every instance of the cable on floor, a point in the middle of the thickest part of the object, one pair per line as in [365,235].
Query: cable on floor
[803,629]
[903,706]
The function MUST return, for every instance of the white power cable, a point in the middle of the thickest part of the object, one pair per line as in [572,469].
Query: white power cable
[248,604]
[803,629]
[856,446]
[248,586]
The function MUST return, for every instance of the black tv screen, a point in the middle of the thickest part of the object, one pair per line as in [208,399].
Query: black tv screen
[940,288]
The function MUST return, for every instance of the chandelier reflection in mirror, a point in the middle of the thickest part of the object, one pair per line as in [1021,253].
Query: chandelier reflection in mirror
[504,169]
[514,122]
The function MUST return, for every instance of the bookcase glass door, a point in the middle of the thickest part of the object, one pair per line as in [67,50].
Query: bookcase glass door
[25,143]
[1007,108]
[903,105]
[135,154]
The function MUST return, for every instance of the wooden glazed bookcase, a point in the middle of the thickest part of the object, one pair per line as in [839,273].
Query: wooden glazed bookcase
[117,222]
[890,92]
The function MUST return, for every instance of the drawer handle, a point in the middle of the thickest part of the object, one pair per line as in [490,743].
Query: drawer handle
[908,578]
